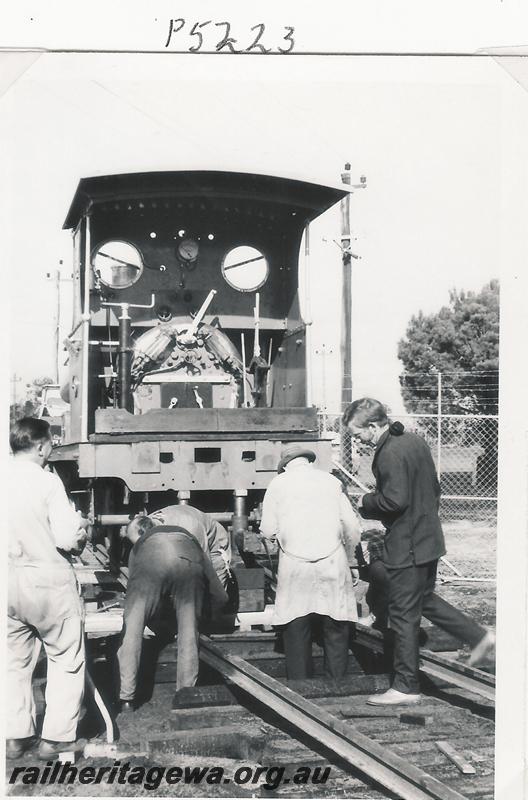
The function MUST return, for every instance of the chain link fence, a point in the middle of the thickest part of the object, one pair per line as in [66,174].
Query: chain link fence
[464,449]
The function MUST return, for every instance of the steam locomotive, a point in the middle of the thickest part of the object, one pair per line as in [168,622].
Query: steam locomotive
[187,355]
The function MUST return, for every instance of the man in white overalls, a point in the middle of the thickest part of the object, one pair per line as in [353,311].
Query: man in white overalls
[43,600]
[305,509]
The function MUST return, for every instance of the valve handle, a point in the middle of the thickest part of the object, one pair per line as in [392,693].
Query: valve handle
[125,306]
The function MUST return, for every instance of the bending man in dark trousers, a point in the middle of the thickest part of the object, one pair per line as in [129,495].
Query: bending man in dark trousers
[166,563]
[406,501]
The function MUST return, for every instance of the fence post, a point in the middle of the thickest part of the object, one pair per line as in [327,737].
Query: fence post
[439,426]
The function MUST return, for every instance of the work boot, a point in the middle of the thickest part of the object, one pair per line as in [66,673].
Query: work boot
[126,707]
[484,651]
[49,750]
[392,697]
[15,748]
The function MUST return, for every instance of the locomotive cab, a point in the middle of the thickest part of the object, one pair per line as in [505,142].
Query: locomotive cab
[187,356]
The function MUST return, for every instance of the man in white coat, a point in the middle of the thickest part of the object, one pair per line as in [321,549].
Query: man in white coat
[305,510]
[43,600]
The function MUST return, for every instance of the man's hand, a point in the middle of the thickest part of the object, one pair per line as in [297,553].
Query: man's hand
[80,542]
[84,534]
[83,522]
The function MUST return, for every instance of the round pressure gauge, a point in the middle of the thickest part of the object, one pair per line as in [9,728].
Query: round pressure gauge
[188,250]
[245,268]
[117,264]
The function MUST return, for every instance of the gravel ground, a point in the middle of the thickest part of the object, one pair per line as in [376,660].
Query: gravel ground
[472,549]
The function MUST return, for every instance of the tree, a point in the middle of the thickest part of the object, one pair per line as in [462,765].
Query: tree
[461,341]
[29,406]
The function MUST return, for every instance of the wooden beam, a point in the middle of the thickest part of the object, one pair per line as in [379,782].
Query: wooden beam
[186,420]
[460,763]
[201,696]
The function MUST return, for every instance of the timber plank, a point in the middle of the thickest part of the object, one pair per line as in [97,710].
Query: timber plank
[216,717]
[193,420]
[271,663]
[313,688]
[233,741]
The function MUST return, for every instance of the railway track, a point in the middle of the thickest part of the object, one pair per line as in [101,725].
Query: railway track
[309,719]
[245,712]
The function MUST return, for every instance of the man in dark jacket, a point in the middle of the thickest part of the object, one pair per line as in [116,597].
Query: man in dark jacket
[406,501]
[167,563]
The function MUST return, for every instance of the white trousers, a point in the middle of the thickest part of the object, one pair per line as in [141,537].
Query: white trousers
[44,606]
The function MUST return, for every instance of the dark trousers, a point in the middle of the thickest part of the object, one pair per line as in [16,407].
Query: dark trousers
[434,608]
[169,580]
[411,595]
[377,596]
[297,638]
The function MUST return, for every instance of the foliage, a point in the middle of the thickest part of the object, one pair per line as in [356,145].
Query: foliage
[29,406]
[461,341]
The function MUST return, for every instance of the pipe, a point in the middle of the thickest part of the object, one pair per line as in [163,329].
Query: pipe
[201,313]
[124,519]
[124,361]
[183,498]
[85,332]
[239,524]
[109,725]
[244,388]
[112,519]
[76,259]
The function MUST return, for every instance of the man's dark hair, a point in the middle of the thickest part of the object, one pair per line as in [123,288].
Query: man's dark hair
[28,432]
[142,524]
[363,412]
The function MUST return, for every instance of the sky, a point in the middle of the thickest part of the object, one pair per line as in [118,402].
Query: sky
[426,132]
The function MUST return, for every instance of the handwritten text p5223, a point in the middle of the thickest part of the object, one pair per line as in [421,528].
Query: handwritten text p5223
[210,36]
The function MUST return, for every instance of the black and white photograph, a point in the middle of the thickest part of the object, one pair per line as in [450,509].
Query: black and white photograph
[255,394]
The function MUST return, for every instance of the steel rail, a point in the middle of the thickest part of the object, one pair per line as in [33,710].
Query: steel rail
[437,666]
[359,751]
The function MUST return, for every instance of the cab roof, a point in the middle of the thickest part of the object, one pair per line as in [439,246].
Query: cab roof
[300,197]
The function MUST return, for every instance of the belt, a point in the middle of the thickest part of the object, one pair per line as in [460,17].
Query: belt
[311,560]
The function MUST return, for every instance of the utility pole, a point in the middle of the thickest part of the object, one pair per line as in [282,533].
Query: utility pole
[14,380]
[57,325]
[307,315]
[346,303]
[347,255]
[55,276]
[439,425]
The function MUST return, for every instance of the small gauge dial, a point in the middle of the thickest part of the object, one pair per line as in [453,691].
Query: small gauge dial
[117,264]
[188,250]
